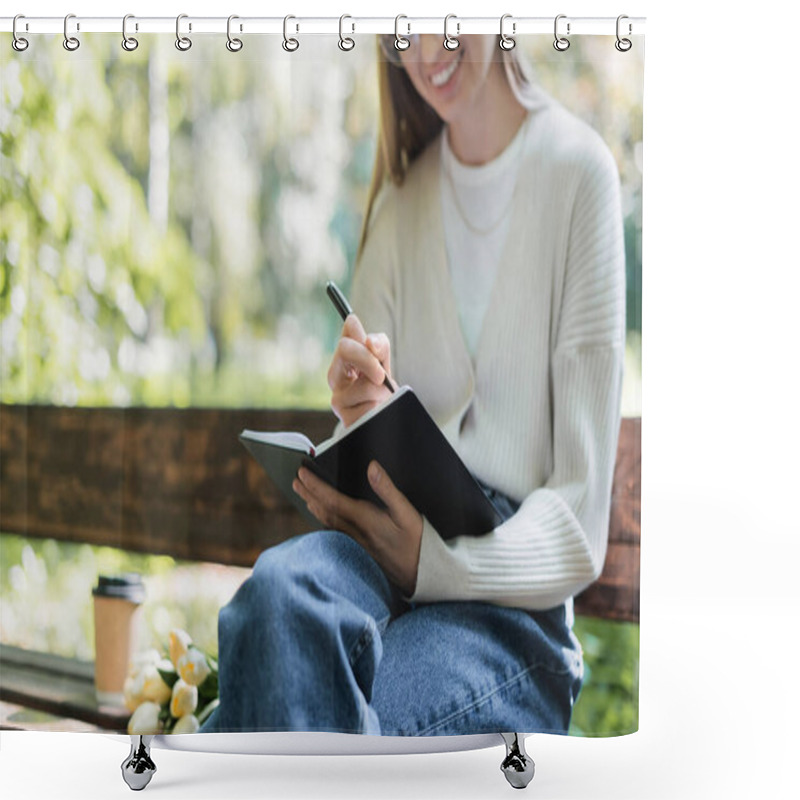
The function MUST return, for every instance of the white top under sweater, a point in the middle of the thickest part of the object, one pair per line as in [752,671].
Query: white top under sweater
[537,413]
[476,205]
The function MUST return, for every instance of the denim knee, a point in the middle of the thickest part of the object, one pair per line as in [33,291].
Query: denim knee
[310,553]
[319,564]
[280,574]
[277,602]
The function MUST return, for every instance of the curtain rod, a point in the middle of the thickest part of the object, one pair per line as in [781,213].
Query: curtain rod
[512,26]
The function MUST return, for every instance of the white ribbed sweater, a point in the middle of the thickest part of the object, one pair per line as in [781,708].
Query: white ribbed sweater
[536,415]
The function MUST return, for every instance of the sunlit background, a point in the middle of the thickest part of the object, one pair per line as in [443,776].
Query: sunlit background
[167,224]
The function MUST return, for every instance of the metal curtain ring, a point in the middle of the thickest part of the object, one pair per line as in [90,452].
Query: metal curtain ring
[506,42]
[346,43]
[290,44]
[623,45]
[129,43]
[451,42]
[18,42]
[233,44]
[400,42]
[70,42]
[183,43]
[561,43]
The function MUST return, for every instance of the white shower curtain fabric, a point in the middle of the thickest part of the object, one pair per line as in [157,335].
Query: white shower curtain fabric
[170,220]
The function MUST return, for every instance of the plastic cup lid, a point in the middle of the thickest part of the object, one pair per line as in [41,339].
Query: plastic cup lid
[128,586]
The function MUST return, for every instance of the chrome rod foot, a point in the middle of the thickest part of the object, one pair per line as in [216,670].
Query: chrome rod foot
[138,768]
[517,766]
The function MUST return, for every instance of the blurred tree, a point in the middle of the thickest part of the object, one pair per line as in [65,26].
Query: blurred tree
[85,278]
[157,212]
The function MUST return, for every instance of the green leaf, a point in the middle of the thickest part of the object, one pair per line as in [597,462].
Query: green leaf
[209,688]
[170,677]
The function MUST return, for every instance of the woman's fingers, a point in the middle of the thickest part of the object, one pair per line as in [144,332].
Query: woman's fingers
[357,371]
[302,486]
[397,504]
[350,399]
[392,537]
[350,414]
[379,346]
[353,329]
[340,373]
[351,360]
[361,357]
[333,509]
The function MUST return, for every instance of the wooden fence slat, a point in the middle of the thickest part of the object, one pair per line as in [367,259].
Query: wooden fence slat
[178,482]
[173,481]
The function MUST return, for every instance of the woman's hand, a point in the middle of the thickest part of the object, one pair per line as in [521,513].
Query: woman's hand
[392,537]
[356,373]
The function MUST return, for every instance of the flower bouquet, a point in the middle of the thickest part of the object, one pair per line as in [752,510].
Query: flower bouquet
[174,694]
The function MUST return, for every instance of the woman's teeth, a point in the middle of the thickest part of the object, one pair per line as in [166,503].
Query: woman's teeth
[441,78]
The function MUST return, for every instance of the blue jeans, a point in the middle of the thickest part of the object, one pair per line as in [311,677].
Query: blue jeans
[318,639]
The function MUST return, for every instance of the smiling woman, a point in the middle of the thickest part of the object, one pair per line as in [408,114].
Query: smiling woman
[491,278]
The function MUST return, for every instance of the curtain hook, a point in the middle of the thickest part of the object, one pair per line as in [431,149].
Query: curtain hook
[346,42]
[400,42]
[234,45]
[290,44]
[18,42]
[506,42]
[129,43]
[183,43]
[70,43]
[561,43]
[623,45]
[451,42]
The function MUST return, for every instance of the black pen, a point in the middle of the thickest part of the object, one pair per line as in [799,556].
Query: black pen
[343,307]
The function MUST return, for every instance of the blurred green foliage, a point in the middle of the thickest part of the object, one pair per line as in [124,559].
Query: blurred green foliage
[168,223]
[608,704]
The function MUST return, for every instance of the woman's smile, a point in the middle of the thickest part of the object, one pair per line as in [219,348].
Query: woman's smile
[442,76]
[452,82]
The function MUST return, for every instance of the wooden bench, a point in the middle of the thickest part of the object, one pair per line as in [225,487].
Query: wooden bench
[178,482]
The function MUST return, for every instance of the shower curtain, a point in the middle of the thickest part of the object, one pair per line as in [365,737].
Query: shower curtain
[172,211]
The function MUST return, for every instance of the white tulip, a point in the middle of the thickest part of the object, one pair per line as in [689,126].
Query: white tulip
[133,691]
[184,699]
[193,667]
[154,687]
[179,642]
[166,665]
[187,724]
[142,660]
[144,721]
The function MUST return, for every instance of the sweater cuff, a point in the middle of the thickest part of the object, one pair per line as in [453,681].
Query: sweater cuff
[442,574]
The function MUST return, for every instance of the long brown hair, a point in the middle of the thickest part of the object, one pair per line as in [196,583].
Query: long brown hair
[408,124]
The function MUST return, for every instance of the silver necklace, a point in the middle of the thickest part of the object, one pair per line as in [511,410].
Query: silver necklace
[461,213]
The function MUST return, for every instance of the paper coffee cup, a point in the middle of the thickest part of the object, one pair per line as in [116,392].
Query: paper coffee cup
[117,606]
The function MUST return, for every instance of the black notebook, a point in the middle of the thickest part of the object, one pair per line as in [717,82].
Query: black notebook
[403,438]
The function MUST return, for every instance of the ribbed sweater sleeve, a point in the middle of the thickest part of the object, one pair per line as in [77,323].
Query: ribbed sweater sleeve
[555,545]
